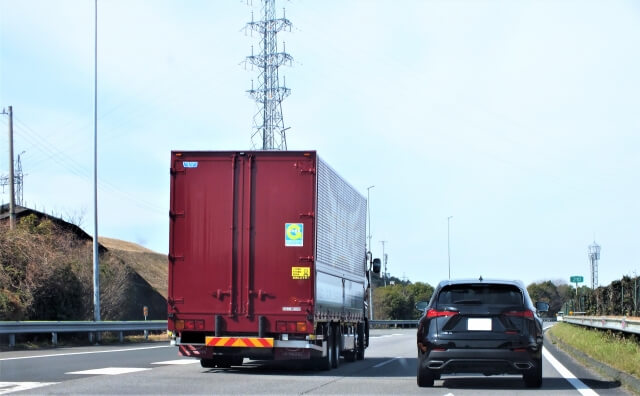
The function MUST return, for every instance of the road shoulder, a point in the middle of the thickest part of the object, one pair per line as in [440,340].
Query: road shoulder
[607,373]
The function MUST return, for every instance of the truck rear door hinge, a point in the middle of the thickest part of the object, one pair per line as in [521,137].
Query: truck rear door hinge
[310,215]
[301,167]
[260,293]
[173,215]
[174,171]
[173,258]
[219,294]
[174,301]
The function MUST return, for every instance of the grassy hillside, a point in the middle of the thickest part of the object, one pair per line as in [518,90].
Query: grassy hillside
[46,273]
[148,264]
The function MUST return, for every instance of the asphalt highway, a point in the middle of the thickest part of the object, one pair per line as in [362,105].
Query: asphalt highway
[156,368]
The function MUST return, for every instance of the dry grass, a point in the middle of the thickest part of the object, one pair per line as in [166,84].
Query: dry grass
[621,352]
[152,266]
[117,244]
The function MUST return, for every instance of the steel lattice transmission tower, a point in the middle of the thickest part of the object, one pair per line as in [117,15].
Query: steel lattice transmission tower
[18,181]
[269,130]
[594,256]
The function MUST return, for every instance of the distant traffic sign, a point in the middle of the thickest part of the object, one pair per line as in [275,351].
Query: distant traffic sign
[577,279]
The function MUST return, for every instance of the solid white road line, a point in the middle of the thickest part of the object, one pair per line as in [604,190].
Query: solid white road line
[9,387]
[179,361]
[568,375]
[85,353]
[109,371]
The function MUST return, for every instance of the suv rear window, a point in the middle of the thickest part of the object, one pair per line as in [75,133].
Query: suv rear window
[485,294]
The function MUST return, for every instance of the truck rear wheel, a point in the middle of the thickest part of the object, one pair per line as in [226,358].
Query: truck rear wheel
[350,355]
[360,342]
[325,362]
[337,334]
[207,363]
[217,361]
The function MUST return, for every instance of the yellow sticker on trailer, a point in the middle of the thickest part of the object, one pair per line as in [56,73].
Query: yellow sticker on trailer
[300,272]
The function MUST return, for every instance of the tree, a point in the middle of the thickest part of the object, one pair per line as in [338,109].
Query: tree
[397,301]
[547,291]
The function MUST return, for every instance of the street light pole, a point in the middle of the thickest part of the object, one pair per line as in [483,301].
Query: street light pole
[449,245]
[384,261]
[369,255]
[96,252]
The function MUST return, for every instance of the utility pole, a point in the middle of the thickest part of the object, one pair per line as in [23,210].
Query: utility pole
[12,193]
[384,257]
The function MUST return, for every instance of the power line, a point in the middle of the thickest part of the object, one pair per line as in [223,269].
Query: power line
[78,169]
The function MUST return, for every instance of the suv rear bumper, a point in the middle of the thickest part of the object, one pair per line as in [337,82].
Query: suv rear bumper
[484,361]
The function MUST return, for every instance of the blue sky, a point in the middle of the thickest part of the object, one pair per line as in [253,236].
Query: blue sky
[519,119]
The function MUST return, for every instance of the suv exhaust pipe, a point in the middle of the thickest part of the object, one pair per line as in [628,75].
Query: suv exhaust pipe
[435,364]
[523,366]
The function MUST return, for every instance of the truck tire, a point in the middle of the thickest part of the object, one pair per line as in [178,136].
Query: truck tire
[237,360]
[360,342]
[325,362]
[217,361]
[337,334]
[366,333]
[208,363]
[350,355]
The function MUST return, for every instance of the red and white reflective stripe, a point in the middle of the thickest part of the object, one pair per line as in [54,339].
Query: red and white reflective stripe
[241,342]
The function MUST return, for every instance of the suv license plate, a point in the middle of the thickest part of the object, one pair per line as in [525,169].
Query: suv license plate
[479,324]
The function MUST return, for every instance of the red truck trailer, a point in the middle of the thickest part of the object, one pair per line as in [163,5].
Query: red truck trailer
[267,259]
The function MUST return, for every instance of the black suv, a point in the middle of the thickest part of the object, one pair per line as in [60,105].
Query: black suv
[481,326]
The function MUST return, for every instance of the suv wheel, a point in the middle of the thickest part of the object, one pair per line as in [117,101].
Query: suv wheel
[425,377]
[533,376]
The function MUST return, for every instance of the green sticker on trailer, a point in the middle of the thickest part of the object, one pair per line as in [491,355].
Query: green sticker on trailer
[293,234]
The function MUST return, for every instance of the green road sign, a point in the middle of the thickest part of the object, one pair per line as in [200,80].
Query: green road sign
[577,279]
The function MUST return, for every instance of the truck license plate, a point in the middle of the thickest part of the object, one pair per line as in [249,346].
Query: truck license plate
[479,324]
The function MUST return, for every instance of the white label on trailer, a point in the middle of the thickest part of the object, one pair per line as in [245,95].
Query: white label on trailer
[292,309]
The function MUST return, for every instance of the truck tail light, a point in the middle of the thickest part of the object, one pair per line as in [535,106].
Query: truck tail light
[301,327]
[193,324]
[179,325]
[291,327]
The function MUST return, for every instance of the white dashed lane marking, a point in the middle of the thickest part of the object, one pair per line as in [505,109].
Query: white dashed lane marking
[9,387]
[178,362]
[109,371]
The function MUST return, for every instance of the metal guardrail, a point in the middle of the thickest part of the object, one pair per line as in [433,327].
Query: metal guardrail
[394,323]
[13,328]
[606,322]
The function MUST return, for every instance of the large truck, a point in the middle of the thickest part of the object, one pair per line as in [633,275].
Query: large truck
[267,259]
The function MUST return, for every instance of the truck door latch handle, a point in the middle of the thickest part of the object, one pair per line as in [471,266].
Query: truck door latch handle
[260,293]
[219,294]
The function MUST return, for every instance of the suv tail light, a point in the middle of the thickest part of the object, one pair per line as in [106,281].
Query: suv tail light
[527,313]
[433,313]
